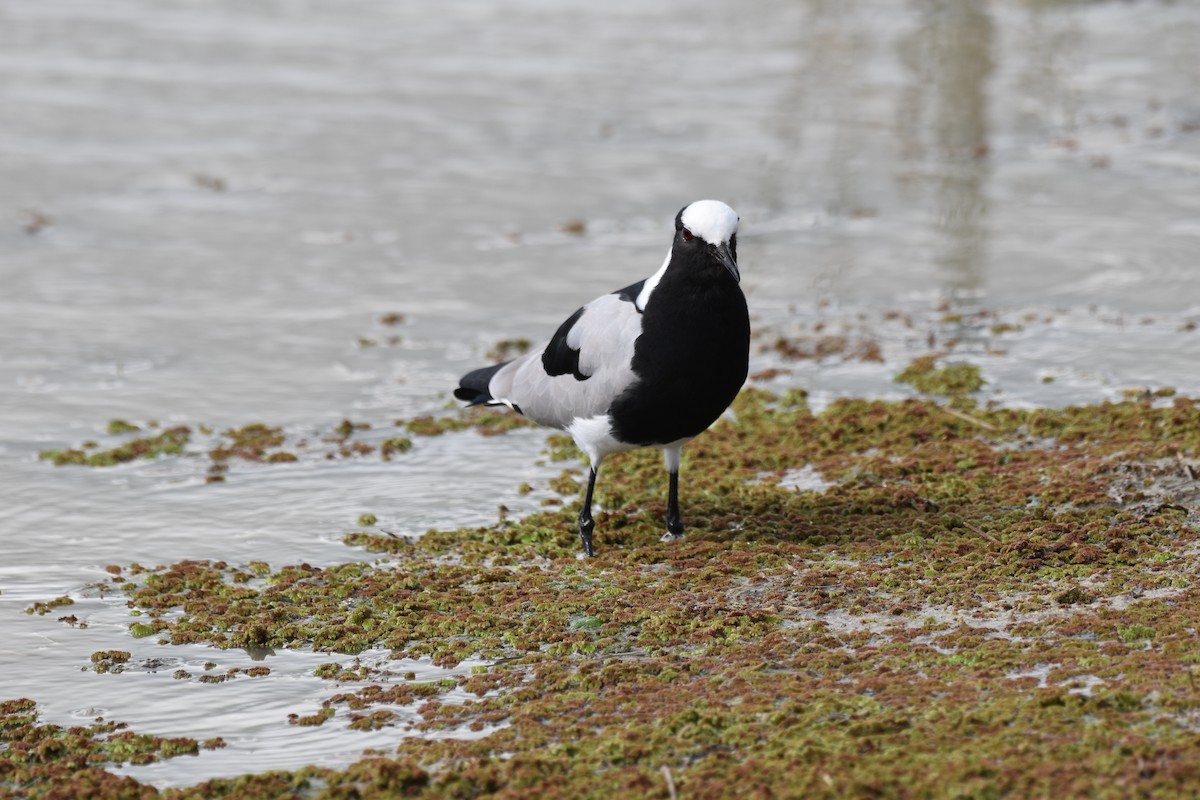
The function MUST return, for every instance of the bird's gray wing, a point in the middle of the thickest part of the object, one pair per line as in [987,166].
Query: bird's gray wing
[580,371]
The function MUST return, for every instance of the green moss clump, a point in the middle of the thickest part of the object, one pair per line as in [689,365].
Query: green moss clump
[394,445]
[141,631]
[320,718]
[1135,633]
[346,428]
[432,426]
[116,427]
[506,349]
[170,442]
[926,377]
[110,660]
[249,442]
[484,419]
[43,607]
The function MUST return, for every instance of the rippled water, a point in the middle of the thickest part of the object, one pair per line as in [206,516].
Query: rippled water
[205,206]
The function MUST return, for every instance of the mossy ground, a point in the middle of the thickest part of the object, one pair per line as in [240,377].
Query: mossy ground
[986,603]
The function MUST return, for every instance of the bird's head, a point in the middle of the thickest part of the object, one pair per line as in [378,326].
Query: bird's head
[706,231]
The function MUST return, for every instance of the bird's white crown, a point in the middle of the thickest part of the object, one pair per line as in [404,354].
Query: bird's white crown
[711,220]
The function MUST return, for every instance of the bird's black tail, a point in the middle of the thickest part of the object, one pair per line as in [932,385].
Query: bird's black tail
[473,388]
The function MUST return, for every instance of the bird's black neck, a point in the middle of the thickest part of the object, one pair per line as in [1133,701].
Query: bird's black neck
[691,358]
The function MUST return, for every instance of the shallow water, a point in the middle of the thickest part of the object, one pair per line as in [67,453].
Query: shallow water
[204,207]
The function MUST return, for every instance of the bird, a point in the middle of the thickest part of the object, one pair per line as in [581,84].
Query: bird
[651,365]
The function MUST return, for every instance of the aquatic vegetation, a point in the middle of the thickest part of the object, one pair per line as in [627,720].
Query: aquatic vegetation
[249,442]
[43,607]
[44,760]
[258,442]
[824,345]
[110,660]
[984,602]
[926,377]
[483,419]
[508,348]
[170,442]
[394,445]
[346,428]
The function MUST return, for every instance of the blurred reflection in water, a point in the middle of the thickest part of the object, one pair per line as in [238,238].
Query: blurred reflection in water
[948,60]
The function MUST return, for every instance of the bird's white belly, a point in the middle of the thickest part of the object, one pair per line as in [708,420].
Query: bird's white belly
[594,436]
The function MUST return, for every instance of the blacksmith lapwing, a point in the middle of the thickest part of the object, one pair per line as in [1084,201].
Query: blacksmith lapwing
[651,365]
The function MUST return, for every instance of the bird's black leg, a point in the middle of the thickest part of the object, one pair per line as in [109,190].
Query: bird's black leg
[586,523]
[674,521]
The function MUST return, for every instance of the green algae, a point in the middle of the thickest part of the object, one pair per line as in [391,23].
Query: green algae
[506,349]
[43,607]
[394,445]
[170,442]
[311,720]
[823,345]
[926,377]
[44,760]
[116,427]
[986,602]
[110,660]
[249,442]
[346,428]
[258,442]
[487,421]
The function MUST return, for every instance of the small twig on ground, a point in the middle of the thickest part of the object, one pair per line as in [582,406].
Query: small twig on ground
[979,532]
[987,426]
[666,771]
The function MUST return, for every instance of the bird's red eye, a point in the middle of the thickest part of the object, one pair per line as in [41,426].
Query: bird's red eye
[687,235]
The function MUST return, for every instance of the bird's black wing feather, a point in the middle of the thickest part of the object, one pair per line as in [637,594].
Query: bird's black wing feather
[559,358]
[630,293]
[473,387]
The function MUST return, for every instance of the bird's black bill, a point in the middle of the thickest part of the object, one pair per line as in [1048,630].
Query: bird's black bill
[724,256]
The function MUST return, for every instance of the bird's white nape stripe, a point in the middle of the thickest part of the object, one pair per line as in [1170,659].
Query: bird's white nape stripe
[648,287]
[711,220]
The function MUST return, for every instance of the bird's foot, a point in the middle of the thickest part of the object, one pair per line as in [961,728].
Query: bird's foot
[674,526]
[586,526]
